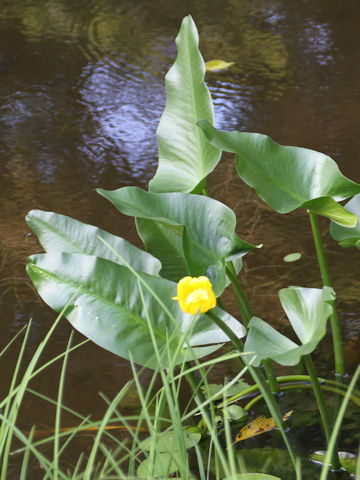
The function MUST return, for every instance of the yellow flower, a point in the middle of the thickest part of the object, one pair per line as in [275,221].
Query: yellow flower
[195,295]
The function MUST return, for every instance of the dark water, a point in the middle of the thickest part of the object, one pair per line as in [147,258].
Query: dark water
[82,91]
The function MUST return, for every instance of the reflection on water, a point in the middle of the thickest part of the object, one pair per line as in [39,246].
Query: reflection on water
[82,91]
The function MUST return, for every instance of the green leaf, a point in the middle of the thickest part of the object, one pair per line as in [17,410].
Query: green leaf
[234,412]
[166,244]
[286,177]
[167,441]
[348,237]
[207,227]
[347,460]
[161,466]
[217,65]
[327,207]
[292,257]
[59,233]
[212,388]
[308,310]
[114,306]
[185,156]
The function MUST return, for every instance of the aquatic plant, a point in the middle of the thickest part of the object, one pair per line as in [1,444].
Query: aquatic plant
[122,297]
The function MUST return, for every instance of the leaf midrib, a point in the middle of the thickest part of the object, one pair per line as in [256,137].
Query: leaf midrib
[105,301]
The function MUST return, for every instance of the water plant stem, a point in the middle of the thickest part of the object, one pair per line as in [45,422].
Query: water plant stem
[241,300]
[246,315]
[334,321]
[321,406]
[260,382]
[193,381]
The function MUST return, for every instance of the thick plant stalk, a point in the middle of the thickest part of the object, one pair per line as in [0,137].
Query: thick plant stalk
[322,407]
[246,315]
[334,321]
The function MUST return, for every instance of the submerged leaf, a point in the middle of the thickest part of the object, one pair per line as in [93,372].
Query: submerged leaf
[258,426]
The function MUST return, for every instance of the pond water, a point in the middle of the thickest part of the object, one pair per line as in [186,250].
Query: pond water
[82,91]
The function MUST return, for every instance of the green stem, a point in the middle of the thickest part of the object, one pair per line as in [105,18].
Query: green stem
[334,321]
[193,381]
[297,381]
[246,315]
[259,380]
[243,304]
[321,406]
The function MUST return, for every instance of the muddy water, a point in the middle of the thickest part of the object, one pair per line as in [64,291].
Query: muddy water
[82,91]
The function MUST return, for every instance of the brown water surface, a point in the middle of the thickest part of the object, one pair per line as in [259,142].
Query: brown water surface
[81,94]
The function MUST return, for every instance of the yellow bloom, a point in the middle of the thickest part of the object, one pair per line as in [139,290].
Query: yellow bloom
[195,295]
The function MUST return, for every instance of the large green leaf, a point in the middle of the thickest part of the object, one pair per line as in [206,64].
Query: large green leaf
[348,237]
[113,306]
[308,310]
[185,156]
[286,177]
[207,227]
[166,244]
[59,233]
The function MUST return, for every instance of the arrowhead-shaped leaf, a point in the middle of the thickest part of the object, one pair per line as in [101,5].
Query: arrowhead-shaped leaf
[185,156]
[348,237]
[114,306]
[206,226]
[59,233]
[308,310]
[286,177]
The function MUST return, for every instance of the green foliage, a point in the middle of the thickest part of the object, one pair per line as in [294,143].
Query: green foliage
[124,298]
[285,177]
[58,233]
[185,156]
[308,310]
[123,310]
[348,237]
[206,228]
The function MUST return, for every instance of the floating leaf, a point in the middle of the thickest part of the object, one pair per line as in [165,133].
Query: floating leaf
[348,460]
[185,156]
[308,310]
[234,412]
[162,466]
[169,442]
[292,257]
[212,388]
[258,426]
[217,65]
[287,177]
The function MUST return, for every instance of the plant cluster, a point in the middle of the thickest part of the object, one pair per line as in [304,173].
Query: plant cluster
[162,307]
